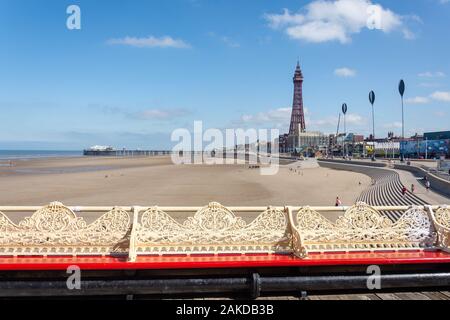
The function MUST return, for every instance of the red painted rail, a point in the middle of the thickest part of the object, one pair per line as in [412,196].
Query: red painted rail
[224,261]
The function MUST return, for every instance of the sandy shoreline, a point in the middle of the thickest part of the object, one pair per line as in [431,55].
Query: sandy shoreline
[149,181]
[156,181]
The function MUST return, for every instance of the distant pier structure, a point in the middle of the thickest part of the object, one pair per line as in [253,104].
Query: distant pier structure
[111,152]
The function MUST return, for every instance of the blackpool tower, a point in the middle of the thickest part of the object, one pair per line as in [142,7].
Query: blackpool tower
[298,115]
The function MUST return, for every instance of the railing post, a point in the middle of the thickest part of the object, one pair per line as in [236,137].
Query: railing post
[297,242]
[132,255]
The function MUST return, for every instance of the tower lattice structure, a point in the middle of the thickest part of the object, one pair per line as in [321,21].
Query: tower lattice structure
[298,115]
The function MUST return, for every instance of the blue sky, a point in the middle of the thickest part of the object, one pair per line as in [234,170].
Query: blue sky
[139,69]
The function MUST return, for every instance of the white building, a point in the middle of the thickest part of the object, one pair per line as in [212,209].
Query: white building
[308,140]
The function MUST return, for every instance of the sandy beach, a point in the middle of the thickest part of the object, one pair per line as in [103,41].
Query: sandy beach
[156,181]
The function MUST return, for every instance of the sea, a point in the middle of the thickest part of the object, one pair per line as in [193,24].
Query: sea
[37,154]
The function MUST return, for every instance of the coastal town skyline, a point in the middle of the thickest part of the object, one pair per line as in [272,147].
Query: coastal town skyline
[130,82]
[194,151]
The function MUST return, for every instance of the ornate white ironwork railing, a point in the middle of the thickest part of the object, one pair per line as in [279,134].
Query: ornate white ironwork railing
[364,228]
[56,229]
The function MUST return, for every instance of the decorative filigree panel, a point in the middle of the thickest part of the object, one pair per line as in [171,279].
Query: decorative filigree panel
[213,229]
[442,222]
[442,216]
[56,230]
[363,228]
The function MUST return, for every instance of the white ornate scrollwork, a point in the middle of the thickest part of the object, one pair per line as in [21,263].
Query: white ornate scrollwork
[441,220]
[55,229]
[213,229]
[442,216]
[363,228]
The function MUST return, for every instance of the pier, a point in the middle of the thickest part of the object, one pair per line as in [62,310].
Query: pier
[126,153]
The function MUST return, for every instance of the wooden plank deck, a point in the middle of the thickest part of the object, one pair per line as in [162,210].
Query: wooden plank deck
[425,295]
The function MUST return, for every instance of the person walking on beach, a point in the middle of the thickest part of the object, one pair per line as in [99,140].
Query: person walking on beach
[428,185]
[404,190]
[338,202]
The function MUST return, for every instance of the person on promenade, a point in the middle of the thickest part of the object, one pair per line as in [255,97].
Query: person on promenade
[413,187]
[428,185]
[338,202]
[404,190]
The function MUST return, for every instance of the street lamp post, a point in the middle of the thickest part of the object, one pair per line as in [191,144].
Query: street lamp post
[344,111]
[372,101]
[401,90]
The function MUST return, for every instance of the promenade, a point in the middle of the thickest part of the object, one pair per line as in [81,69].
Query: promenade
[386,187]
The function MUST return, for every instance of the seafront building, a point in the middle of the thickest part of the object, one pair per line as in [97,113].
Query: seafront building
[308,142]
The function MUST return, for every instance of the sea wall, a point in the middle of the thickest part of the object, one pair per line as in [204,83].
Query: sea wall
[356,162]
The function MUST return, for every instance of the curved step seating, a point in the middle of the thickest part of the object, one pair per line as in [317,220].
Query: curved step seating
[386,191]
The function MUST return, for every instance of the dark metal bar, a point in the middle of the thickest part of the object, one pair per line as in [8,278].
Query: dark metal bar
[253,286]
[358,282]
[124,287]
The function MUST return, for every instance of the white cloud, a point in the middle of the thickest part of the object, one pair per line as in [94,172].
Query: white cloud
[437,96]
[429,74]
[408,34]
[356,119]
[337,20]
[280,118]
[282,115]
[150,42]
[417,100]
[281,20]
[162,114]
[441,96]
[225,39]
[350,119]
[345,72]
[429,84]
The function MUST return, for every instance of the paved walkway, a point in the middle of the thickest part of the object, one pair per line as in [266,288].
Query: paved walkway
[430,197]
[387,188]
